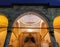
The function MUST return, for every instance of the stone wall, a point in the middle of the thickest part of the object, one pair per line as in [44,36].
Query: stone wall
[12,13]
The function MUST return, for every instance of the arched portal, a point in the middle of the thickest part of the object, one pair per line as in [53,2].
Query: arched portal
[56,26]
[3,29]
[30,30]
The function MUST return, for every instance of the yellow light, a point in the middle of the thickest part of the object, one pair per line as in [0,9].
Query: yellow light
[3,21]
[30,30]
[56,23]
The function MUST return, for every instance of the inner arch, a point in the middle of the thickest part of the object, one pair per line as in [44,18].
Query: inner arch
[31,19]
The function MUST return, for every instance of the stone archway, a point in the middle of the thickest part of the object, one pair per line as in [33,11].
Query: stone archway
[29,23]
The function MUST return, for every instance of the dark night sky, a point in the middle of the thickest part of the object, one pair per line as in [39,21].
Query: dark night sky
[10,2]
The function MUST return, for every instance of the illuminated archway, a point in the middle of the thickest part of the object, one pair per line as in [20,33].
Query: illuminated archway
[3,29]
[56,26]
[29,22]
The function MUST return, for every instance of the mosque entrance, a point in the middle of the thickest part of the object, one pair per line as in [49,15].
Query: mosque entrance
[30,30]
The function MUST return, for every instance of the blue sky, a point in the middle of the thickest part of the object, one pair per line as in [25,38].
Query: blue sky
[10,2]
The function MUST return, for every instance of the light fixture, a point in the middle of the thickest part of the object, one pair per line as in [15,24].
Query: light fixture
[30,30]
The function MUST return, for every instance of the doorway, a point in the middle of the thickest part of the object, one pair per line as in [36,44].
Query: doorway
[30,30]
